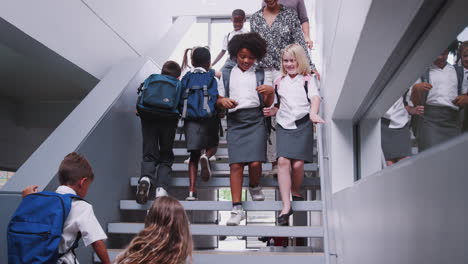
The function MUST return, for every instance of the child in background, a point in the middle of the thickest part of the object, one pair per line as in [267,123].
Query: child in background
[462,100]
[238,20]
[158,139]
[200,133]
[75,176]
[299,102]
[166,238]
[244,90]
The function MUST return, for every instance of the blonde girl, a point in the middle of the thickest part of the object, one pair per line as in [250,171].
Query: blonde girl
[299,102]
[166,238]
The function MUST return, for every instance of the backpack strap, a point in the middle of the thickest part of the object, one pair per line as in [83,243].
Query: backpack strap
[425,78]
[78,235]
[205,99]
[307,79]
[184,109]
[140,88]
[277,82]
[459,71]
[260,79]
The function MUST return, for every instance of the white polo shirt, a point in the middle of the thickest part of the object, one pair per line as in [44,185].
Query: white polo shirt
[293,100]
[230,35]
[444,86]
[80,219]
[242,88]
[397,114]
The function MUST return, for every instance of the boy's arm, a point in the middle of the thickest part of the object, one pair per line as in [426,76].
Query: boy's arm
[101,250]
[220,55]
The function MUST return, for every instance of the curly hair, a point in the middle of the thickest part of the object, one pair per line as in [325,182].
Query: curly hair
[251,41]
[166,238]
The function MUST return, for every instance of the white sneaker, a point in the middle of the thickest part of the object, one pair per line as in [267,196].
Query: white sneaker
[205,171]
[213,158]
[160,192]
[143,189]
[237,215]
[256,193]
[187,160]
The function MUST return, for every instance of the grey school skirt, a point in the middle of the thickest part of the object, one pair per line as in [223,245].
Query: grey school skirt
[296,143]
[437,125]
[201,134]
[396,142]
[246,136]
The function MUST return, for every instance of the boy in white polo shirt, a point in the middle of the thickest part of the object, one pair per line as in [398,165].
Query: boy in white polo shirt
[238,20]
[75,176]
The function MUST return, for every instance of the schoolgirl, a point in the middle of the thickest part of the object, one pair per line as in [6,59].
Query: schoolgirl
[244,90]
[299,102]
[200,134]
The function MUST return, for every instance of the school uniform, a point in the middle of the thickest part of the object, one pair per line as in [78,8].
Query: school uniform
[295,132]
[80,219]
[395,133]
[201,134]
[230,62]
[246,127]
[440,121]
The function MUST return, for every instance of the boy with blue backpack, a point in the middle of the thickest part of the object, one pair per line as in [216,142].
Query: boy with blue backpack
[201,122]
[158,108]
[47,226]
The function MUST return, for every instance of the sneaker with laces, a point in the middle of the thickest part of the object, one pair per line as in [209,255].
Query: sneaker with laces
[205,168]
[160,192]
[191,197]
[143,190]
[256,193]
[237,215]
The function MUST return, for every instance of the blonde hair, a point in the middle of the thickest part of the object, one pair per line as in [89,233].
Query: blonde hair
[166,238]
[299,54]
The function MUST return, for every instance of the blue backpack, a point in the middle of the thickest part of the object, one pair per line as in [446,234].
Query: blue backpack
[200,93]
[35,230]
[159,96]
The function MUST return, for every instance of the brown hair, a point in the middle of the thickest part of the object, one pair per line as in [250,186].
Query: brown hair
[171,68]
[166,238]
[199,57]
[74,167]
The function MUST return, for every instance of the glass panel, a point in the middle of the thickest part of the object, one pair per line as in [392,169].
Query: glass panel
[5,176]
[433,110]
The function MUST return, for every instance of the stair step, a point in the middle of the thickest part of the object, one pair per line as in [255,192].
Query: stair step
[219,182]
[216,230]
[217,166]
[267,255]
[184,152]
[227,205]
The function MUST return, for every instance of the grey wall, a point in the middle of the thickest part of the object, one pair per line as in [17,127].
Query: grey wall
[412,212]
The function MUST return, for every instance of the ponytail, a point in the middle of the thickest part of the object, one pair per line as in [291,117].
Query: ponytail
[185,60]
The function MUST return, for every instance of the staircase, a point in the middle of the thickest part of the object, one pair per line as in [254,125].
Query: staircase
[133,214]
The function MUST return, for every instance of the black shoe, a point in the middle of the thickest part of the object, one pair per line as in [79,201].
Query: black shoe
[283,220]
[142,192]
[298,198]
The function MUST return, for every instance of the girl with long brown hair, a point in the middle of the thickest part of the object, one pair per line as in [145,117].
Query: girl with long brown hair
[166,238]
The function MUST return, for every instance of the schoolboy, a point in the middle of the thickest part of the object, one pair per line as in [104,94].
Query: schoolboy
[238,20]
[75,176]
[158,139]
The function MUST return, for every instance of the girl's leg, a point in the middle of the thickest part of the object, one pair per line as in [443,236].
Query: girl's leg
[255,172]
[193,169]
[284,181]
[236,179]
[297,176]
